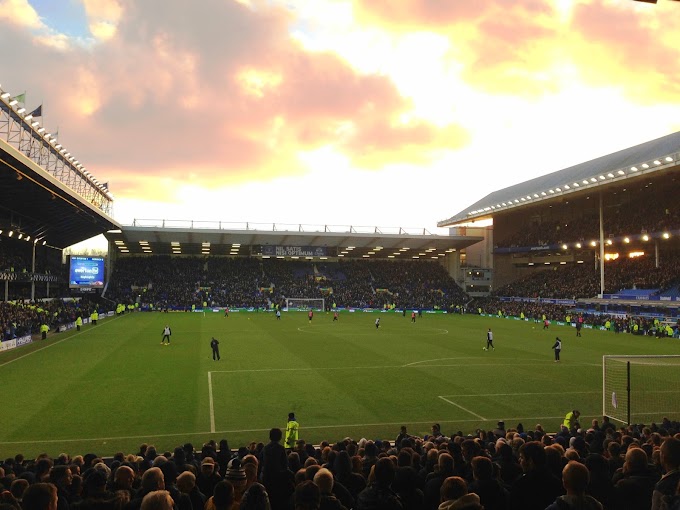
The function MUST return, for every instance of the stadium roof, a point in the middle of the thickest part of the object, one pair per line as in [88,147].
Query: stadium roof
[649,157]
[215,238]
[38,206]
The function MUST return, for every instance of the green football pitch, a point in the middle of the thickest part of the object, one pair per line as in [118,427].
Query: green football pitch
[114,386]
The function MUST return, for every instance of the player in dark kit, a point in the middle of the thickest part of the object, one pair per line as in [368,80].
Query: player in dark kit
[335,316]
[489,340]
[215,346]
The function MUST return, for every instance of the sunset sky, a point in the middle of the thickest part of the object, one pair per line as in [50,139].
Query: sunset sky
[340,112]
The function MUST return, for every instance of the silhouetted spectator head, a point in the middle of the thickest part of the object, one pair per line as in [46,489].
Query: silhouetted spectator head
[531,456]
[307,496]
[384,471]
[40,496]
[157,500]
[575,478]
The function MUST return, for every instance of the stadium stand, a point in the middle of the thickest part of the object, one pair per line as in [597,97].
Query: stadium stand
[179,283]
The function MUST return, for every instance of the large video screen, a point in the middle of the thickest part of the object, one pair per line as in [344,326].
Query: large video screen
[86,272]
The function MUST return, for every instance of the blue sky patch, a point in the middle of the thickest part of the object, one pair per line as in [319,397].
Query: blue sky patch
[64,16]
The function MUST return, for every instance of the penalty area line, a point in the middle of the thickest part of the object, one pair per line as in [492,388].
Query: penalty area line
[463,408]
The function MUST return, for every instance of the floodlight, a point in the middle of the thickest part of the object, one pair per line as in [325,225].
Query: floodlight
[21,110]
[633,169]
[666,235]
[645,237]
[5,95]
[566,186]
[28,117]
[626,240]
[602,177]
[610,175]
[41,130]
[578,245]
[621,172]
[585,181]
[669,159]
[576,185]
[13,102]
[645,165]
[593,243]
[564,246]
[657,162]
[593,179]
[10,233]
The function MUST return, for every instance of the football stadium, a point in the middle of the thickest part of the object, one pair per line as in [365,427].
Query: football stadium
[528,358]
[581,254]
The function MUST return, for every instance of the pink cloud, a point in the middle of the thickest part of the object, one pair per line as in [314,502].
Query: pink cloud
[163,97]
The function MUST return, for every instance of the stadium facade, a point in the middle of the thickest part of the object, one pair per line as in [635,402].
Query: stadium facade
[613,206]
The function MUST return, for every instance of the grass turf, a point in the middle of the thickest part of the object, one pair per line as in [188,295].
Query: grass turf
[113,386]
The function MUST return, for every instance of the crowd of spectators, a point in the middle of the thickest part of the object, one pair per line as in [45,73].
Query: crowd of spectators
[17,257]
[638,214]
[237,282]
[19,318]
[590,466]
[573,281]
[539,311]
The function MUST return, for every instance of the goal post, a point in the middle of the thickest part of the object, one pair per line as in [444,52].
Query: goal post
[300,304]
[640,388]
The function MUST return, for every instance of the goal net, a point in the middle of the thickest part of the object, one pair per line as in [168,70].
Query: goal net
[316,304]
[639,389]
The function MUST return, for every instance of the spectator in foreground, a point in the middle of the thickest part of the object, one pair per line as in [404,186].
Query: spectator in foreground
[575,479]
[379,494]
[40,496]
[537,488]
[455,495]
[670,461]
[157,500]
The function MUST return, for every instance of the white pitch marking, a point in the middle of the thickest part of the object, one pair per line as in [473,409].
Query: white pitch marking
[522,394]
[307,427]
[463,408]
[212,408]
[303,329]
